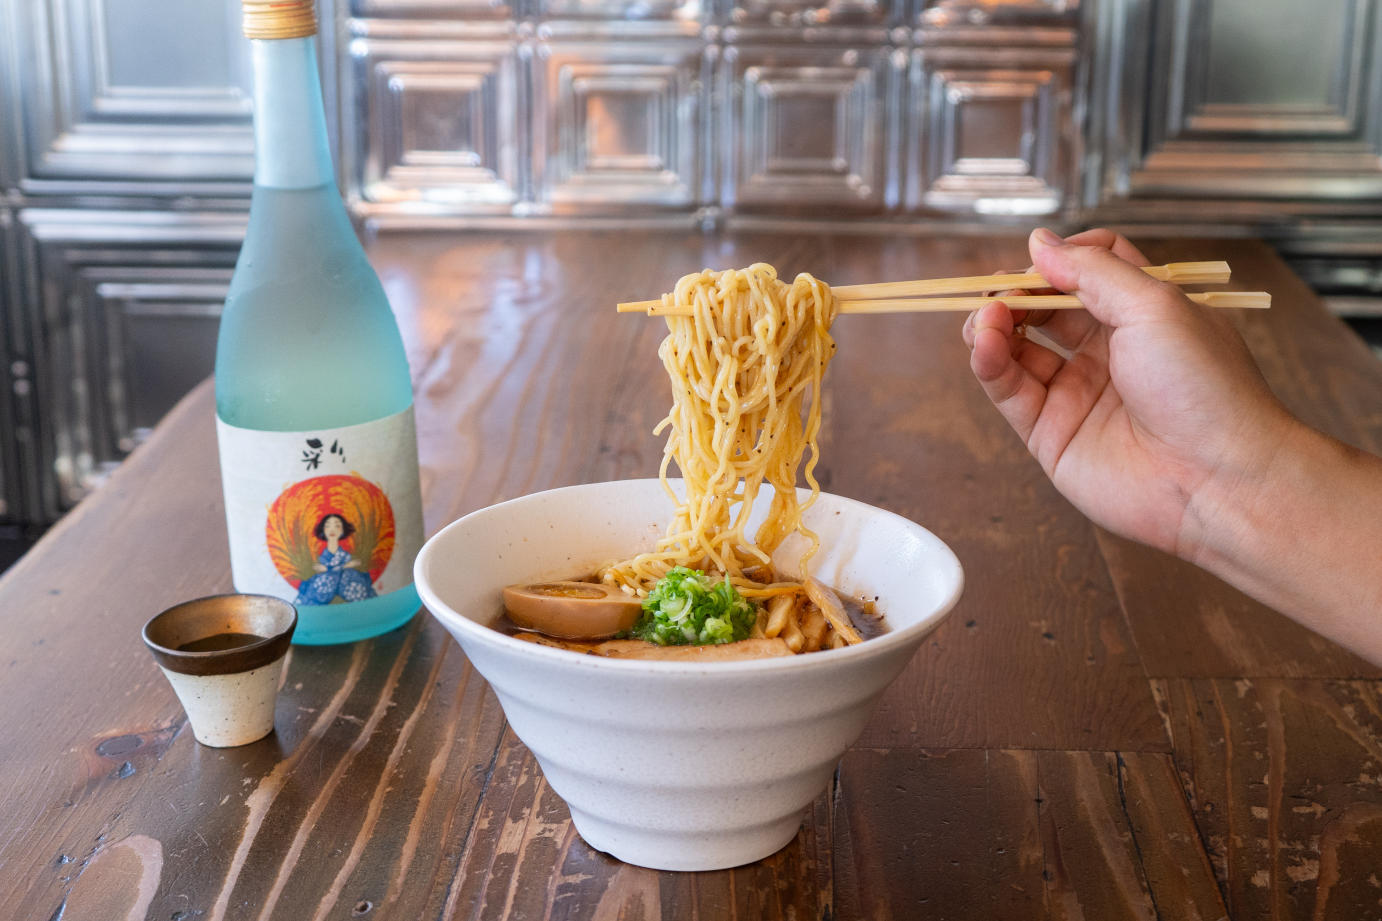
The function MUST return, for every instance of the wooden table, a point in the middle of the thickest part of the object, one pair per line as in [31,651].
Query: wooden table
[1097,731]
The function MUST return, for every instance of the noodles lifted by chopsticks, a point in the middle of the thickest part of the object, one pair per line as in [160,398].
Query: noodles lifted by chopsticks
[746,368]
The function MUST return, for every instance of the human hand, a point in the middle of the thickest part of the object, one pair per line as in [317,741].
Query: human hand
[1157,414]
[318,567]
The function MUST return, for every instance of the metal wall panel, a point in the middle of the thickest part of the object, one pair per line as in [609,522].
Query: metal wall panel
[132,97]
[11,127]
[807,13]
[435,9]
[991,134]
[1267,100]
[160,340]
[626,10]
[688,113]
[90,282]
[944,14]
[15,388]
[620,123]
[809,128]
[437,116]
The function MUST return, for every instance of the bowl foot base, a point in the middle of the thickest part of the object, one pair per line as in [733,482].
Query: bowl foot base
[686,851]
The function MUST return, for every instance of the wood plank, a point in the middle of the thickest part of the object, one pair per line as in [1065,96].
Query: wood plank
[944,834]
[1179,874]
[1093,868]
[1285,781]
[1188,623]
[1019,834]
[517,377]
[1119,840]
[1035,663]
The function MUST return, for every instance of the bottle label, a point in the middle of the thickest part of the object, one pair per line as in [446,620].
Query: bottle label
[326,516]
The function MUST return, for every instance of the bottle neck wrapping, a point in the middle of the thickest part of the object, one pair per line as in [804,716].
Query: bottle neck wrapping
[291,151]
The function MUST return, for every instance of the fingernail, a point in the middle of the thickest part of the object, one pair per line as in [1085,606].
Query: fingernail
[1047,237]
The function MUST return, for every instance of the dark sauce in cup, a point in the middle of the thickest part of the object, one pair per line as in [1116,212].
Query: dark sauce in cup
[220,642]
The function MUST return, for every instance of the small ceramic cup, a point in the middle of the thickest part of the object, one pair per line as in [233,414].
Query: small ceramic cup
[223,656]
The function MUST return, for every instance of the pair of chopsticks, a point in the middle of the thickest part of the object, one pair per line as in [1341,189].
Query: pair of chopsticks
[921,296]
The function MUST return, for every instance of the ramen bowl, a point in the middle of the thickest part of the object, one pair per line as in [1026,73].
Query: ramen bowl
[682,765]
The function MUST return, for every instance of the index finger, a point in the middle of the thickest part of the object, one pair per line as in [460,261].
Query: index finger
[1114,242]
[1112,289]
[1070,328]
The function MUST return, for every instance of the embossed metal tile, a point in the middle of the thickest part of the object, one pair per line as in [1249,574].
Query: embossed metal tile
[988,134]
[619,122]
[131,97]
[435,9]
[616,11]
[127,302]
[951,13]
[806,127]
[439,119]
[787,13]
[1285,105]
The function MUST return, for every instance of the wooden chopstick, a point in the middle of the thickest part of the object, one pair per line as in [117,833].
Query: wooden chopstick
[1253,300]
[1178,273]
[1256,300]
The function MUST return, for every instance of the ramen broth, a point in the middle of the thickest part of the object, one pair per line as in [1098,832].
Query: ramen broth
[863,615]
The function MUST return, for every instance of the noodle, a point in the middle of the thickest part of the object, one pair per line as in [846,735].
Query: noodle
[746,369]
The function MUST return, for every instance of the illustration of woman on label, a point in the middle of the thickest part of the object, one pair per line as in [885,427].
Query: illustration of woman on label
[337,572]
[331,538]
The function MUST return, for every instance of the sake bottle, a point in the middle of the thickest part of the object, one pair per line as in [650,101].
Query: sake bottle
[314,402]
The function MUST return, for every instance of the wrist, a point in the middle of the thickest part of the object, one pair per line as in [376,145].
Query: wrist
[1226,515]
[1304,538]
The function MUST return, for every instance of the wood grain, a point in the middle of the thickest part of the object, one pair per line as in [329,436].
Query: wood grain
[1285,780]
[1023,767]
[1021,835]
[1189,623]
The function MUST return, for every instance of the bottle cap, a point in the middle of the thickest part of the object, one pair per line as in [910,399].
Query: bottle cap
[279,18]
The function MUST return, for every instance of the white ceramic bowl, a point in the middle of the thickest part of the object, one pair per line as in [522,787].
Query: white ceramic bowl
[671,765]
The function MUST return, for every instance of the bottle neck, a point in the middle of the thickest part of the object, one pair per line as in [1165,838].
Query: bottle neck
[289,123]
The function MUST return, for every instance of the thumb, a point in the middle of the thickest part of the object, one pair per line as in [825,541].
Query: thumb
[1114,291]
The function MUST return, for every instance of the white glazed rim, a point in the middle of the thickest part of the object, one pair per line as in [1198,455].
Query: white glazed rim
[488,636]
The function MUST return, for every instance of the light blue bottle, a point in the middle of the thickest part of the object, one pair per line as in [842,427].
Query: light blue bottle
[313,395]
